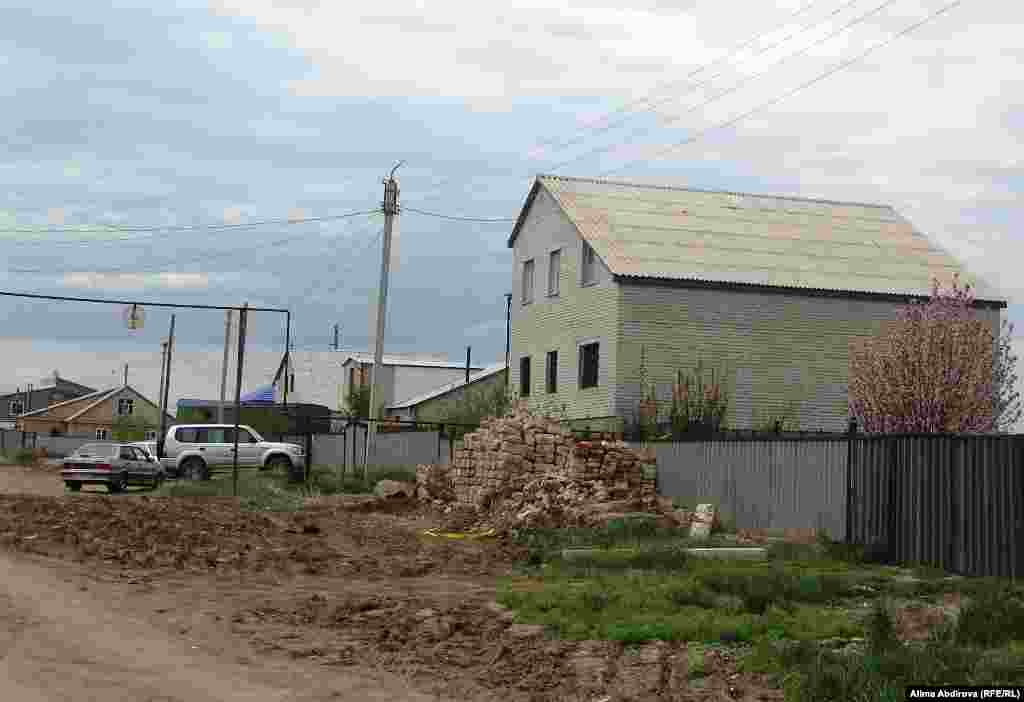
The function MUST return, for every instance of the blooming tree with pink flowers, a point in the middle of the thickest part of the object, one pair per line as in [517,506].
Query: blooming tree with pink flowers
[932,371]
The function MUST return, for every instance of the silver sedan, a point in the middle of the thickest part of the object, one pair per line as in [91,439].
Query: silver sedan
[115,465]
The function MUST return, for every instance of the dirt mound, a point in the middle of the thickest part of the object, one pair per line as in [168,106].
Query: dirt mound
[214,534]
[473,650]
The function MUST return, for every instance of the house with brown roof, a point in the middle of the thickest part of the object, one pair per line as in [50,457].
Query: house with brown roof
[95,415]
[770,291]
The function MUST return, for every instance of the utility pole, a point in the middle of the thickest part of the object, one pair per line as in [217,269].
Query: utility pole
[242,315]
[224,368]
[163,399]
[335,337]
[125,373]
[508,335]
[390,210]
[469,350]
[163,368]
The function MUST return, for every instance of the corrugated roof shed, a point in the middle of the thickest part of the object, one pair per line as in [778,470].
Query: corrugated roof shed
[658,232]
[445,389]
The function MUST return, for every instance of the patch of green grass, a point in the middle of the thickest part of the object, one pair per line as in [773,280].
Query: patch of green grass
[809,672]
[656,558]
[635,608]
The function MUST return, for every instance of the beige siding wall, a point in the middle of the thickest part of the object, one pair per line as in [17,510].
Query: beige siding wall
[780,354]
[561,323]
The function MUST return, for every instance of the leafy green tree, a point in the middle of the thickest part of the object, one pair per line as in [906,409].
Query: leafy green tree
[358,400]
[130,428]
[1007,410]
[475,405]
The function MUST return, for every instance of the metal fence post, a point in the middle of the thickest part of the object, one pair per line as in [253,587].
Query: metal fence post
[851,497]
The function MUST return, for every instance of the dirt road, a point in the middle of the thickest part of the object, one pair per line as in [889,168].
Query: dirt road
[60,640]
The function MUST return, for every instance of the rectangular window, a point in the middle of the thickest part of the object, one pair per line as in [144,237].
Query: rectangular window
[524,376]
[125,406]
[150,436]
[588,365]
[17,407]
[102,434]
[588,266]
[528,282]
[554,269]
[551,372]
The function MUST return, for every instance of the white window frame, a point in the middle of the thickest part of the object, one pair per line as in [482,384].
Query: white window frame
[21,407]
[579,363]
[102,433]
[554,271]
[131,406]
[528,281]
[584,282]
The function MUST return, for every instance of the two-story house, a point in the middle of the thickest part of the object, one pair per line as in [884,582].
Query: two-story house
[770,291]
[50,391]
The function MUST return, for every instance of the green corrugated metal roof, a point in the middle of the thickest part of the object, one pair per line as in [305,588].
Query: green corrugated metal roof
[724,237]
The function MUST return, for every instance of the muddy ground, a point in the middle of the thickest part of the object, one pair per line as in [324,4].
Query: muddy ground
[344,588]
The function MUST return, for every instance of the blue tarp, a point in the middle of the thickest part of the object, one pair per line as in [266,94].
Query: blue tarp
[261,394]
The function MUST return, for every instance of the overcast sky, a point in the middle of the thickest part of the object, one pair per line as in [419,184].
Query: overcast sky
[245,110]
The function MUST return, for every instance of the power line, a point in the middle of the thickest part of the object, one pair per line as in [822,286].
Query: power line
[817,79]
[159,267]
[65,298]
[170,228]
[458,218]
[734,87]
[599,129]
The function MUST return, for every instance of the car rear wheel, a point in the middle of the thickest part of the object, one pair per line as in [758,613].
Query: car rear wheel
[118,485]
[194,469]
[73,485]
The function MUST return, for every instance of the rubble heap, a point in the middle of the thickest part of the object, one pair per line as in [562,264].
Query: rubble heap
[525,470]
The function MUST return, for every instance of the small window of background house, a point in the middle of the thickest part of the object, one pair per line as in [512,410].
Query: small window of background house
[101,434]
[554,269]
[17,407]
[588,265]
[551,372]
[527,296]
[588,365]
[150,436]
[125,405]
[524,377]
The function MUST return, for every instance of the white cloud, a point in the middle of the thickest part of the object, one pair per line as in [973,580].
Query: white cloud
[135,281]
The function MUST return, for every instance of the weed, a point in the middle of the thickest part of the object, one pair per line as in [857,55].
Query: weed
[880,629]
[691,595]
[24,457]
[991,619]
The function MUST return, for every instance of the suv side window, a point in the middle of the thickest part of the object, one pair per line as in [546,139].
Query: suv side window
[187,436]
[244,437]
[215,436]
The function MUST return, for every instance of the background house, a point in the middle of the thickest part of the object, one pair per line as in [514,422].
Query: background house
[32,397]
[95,415]
[402,377]
[437,404]
[768,290]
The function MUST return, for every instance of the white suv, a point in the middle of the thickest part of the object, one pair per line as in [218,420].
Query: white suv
[192,450]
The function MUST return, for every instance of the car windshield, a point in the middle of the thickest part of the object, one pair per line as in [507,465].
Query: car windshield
[95,451]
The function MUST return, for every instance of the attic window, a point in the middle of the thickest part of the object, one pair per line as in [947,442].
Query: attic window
[17,407]
[588,265]
[125,406]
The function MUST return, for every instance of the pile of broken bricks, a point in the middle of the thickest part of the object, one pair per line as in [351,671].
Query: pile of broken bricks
[526,471]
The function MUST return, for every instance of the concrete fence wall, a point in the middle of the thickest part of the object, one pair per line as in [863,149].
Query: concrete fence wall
[392,449]
[56,446]
[768,484]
